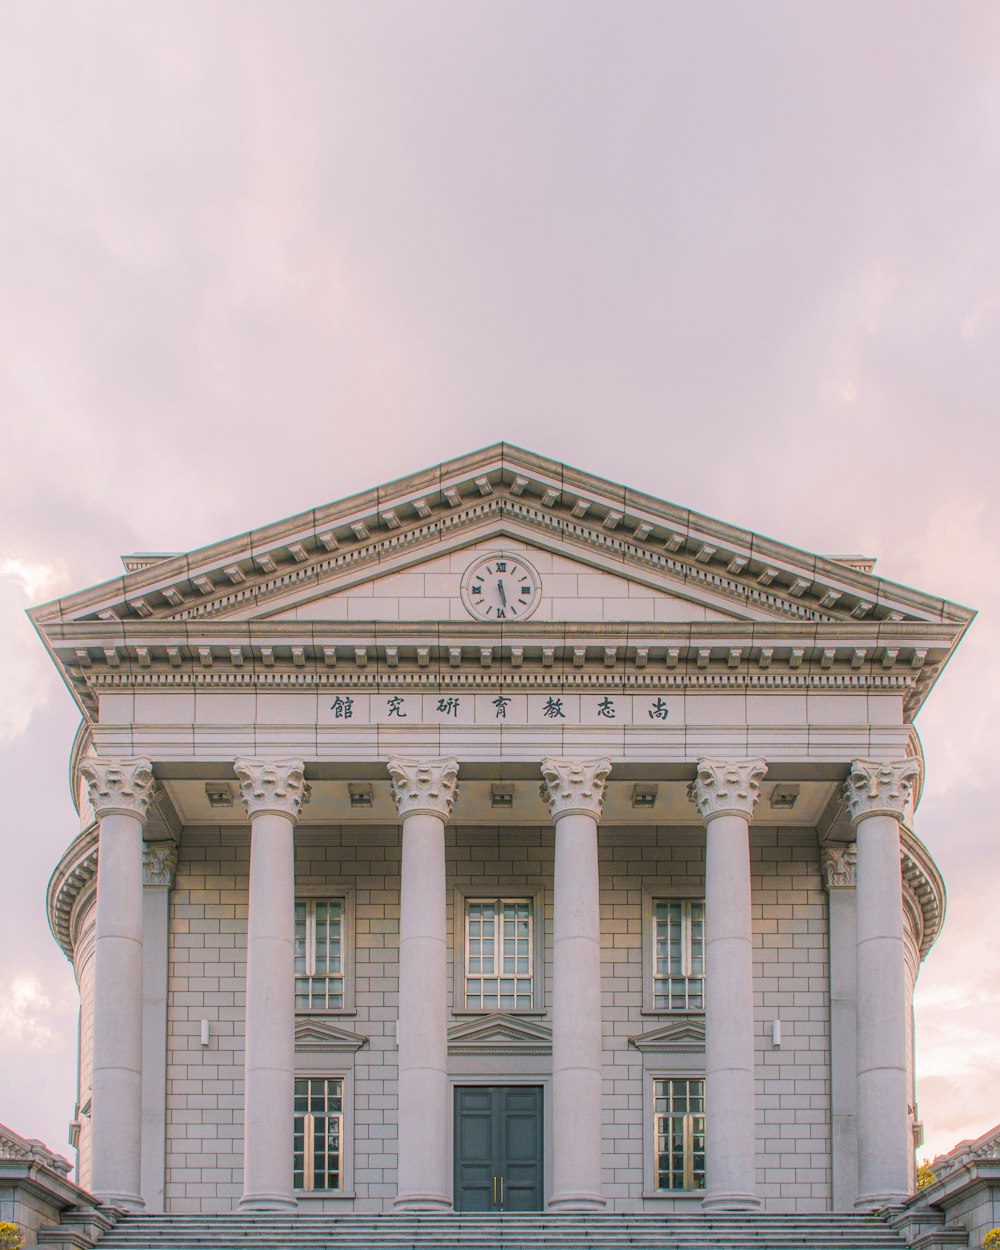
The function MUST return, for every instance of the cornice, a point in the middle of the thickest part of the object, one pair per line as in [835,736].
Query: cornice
[925,885]
[75,871]
[378,655]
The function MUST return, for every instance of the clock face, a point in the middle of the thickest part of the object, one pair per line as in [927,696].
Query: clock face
[501,587]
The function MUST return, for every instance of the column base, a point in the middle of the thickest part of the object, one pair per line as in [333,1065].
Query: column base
[124,1202]
[577,1202]
[730,1202]
[422,1202]
[878,1202]
[267,1202]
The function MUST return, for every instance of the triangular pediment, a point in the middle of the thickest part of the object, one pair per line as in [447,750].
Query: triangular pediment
[499,1034]
[679,1037]
[319,1036]
[376,580]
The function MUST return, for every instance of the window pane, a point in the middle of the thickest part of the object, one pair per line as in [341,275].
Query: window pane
[319,943]
[317,1135]
[679,1133]
[498,940]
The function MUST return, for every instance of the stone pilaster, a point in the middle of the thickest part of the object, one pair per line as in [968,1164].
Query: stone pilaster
[839,867]
[575,791]
[425,791]
[726,793]
[159,863]
[120,792]
[273,794]
[878,794]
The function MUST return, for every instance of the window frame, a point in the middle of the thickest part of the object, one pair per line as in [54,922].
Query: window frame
[344,895]
[534,897]
[653,1151]
[346,1180]
[652,894]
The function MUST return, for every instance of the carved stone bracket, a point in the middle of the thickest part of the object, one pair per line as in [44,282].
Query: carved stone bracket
[574,787]
[119,787]
[429,786]
[840,867]
[159,862]
[272,786]
[880,787]
[725,787]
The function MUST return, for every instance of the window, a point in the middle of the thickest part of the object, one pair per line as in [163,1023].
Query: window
[499,955]
[318,1133]
[319,955]
[678,934]
[679,1133]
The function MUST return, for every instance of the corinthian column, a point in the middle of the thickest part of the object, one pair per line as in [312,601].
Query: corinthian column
[273,793]
[425,792]
[120,793]
[575,793]
[877,795]
[726,792]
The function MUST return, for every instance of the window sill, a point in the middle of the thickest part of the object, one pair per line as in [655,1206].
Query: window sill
[321,1195]
[672,1011]
[307,1013]
[488,1011]
[672,1195]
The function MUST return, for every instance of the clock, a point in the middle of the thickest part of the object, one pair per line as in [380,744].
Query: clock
[499,586]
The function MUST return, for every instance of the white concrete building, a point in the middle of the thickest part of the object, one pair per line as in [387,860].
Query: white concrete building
[497,839]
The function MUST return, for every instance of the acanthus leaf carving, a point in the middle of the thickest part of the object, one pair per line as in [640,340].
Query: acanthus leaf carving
[575,786]
[840,867]
[880,787]
[159,862]
[272,786]
[119,787]
[424,785]
[724,787]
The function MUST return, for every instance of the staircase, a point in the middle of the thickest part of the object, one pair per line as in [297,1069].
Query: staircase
[522,1231]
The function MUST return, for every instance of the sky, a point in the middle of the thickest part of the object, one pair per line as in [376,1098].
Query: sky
[259,256]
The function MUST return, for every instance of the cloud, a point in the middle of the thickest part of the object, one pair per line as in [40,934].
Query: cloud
[28,1018]
[26,676]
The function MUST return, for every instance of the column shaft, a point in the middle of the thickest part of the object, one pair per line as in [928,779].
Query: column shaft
[424,1112]
[117,1047]
[729,1048]
[576,1017]
[883,1127]
[155,907]
[270,1015]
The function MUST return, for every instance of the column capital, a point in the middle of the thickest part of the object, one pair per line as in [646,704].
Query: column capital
[575,787]
[880,787]
[840,866]
[429,785]
[159,862]
[119,787]
[277,786]
[727,787]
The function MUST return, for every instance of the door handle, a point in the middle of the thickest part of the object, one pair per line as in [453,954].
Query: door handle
[494,1191]
[501,1193]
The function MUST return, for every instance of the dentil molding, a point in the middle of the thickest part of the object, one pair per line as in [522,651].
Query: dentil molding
[272,786]
[880,787]
[725,787]
[429,785]
[572,787]
[119,787]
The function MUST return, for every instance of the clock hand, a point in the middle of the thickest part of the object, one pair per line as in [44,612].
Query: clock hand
[503,596]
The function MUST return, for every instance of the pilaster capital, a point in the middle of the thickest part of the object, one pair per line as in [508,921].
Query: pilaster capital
[880,787]
[840,866]
[727,787]
[429,786]
[277,786]
[119,787]
[159,862]
[575,787]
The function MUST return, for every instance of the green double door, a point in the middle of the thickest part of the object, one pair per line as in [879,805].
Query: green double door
[498,1148]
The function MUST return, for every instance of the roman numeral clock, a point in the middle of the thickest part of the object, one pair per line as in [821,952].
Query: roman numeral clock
[498,587]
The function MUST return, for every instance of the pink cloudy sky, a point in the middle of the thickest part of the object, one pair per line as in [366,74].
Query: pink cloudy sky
[255,257]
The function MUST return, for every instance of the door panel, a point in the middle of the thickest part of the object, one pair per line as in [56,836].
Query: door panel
[498,1148]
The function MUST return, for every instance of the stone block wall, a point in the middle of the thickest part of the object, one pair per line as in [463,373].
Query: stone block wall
[208,965]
